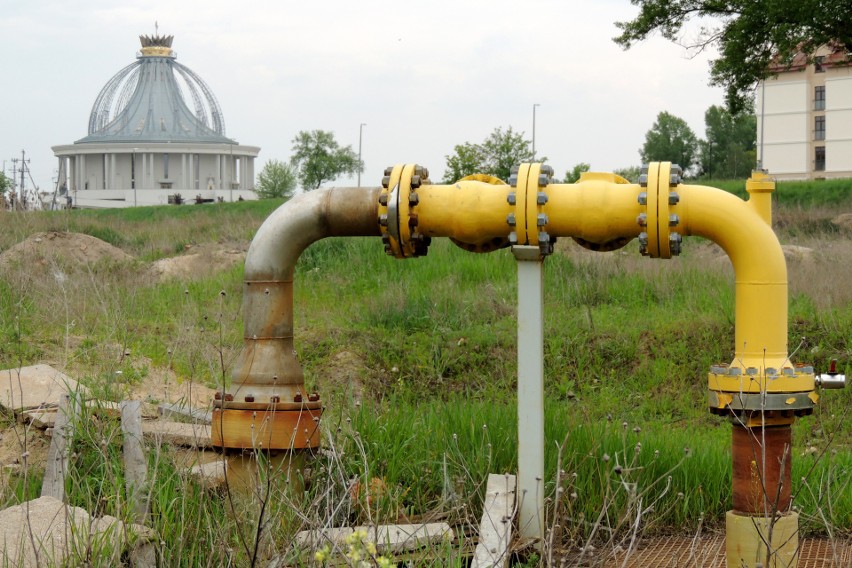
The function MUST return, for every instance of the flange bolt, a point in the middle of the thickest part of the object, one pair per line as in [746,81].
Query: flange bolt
[643,197]
[675,241]
[643,244]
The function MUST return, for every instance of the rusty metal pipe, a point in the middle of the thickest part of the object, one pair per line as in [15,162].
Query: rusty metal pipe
[761,470]
[267,372]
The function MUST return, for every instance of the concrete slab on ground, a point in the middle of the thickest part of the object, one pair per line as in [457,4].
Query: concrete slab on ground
[388,538]
[36,386]
[47,532]
[211,474]
[178,433]
[495,528]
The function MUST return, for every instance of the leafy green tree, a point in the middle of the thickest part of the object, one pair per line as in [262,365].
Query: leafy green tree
[466,159]
[318,158]
[670,140]
[631,173]
[5,184]
[496,155]
[729,150]
[276,180]
[503,150]
[573,175]
[749,35]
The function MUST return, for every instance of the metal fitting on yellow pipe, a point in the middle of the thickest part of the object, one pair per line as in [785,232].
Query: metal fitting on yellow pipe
[600,211]
[760,188]
[473,212]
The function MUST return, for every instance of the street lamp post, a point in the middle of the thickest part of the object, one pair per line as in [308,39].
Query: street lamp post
[360,138]
[533,134]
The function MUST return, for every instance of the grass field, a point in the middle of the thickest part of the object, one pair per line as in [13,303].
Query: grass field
[416,362]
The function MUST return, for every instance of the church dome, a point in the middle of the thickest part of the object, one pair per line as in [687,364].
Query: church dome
[156,99]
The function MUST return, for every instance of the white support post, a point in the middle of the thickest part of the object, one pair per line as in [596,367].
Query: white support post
[530,391]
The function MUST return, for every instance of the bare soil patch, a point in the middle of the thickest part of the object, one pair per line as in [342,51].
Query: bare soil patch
[45,249]
[198,262]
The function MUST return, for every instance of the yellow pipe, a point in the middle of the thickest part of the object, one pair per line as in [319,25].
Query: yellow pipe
[470,211]
[603,208]
[595,209]
[759,269]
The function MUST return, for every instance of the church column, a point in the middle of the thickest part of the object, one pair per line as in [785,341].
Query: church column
[75,173]
[112,169]
[140,175]
[218,183]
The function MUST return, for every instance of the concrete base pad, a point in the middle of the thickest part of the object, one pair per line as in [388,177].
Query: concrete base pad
[746,539]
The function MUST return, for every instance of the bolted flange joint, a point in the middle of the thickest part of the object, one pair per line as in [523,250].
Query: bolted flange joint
[397,215]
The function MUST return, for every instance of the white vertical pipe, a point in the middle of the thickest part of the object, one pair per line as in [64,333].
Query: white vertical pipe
[530,391]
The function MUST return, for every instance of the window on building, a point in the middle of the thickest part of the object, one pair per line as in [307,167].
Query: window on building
[819,128]
[818,66]
[819,158]
[819,98]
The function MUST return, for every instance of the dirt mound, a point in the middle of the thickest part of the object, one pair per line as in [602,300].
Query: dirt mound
[795,253]
[197,262]
[844,221]
[65,248]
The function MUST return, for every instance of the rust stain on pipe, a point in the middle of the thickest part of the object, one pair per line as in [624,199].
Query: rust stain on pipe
[761,469]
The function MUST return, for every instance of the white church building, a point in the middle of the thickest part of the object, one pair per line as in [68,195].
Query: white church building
[156,136]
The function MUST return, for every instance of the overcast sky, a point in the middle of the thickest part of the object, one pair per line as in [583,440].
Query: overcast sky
[422,75]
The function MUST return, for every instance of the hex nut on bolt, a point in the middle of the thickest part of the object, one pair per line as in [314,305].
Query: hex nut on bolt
[510,219]
[512,198]
[674,198]
[643,196]
[675,241]
[541,198]
[642,220]
[673,220]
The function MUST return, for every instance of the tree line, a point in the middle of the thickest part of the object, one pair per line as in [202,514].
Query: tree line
[726,152]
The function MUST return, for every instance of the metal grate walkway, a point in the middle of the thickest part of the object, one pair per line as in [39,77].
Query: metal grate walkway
[709,552]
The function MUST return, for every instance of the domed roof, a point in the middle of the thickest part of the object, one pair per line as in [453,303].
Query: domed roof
[147,102]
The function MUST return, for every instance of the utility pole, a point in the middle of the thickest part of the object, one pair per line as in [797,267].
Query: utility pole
[360,138]
[533,134]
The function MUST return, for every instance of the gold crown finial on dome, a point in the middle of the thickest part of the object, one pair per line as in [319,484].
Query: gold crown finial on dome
[156,45]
